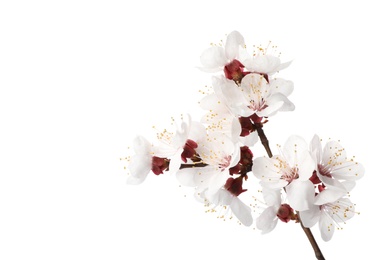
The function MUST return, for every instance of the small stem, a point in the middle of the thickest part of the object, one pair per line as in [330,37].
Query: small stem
[263,138]
[312,241]
[184,166]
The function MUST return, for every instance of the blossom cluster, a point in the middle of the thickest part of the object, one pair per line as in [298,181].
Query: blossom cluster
[307,182]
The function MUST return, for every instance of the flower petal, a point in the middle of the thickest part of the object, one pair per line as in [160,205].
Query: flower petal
[311,216]
[267,171]
[326,226]
[293,149]
[271,197]
[213,59]
[187,177]
[233,41]
[241,211]
[267,220]
[281,86]
[316,149]
[300,194]
[328,196]
[348,170]
[306,166]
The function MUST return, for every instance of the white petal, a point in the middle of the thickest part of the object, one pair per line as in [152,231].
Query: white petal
[306,165]
[293,148]
[220,198]
[283,65]
[217,181]
[267,171]
[349,185]
[175,162]
[135,181]
[333,183]
[249,140]
[265,64]
[267,220]
[281,86]
[333,153]
[272,197]
[327,227]
[310,217]
[233,41]
[346,210]
[349,170]
[241,211]
[274,104]
[316,148]
[328,196]
[140,166]
[213,58]
[197,131]
[141,145]
[300,194]
[187,176]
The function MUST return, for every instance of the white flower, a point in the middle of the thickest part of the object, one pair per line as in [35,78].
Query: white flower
[219,118]
[328,214]
[238,208]
[219,154]
[290,170]
[268,219]
[216,58]
[141,163]
[264,63]
[255,95]
[172,146]
[333,167]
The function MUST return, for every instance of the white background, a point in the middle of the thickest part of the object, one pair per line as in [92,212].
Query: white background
[80,79]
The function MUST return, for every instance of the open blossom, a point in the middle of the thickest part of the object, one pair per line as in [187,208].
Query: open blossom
[264,63]
[216,58]
[214,182]
[329,212]
[236,61]
[290,170]
[141,162]
[333,168]
[268,219]
[179,147]
[255,95]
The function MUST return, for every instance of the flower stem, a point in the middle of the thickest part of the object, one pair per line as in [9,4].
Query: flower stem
[184,166]
[309,234]
[263,138]
[312,241]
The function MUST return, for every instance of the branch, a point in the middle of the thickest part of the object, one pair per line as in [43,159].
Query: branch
[263,138]
[185,166]
[312,240]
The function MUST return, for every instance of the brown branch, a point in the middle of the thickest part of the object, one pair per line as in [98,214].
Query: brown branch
[312,240]
[195,165]
[263,138]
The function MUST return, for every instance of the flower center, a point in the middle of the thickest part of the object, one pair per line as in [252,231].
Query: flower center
[290,174]
[257,106]
[225,163]
[324,171]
